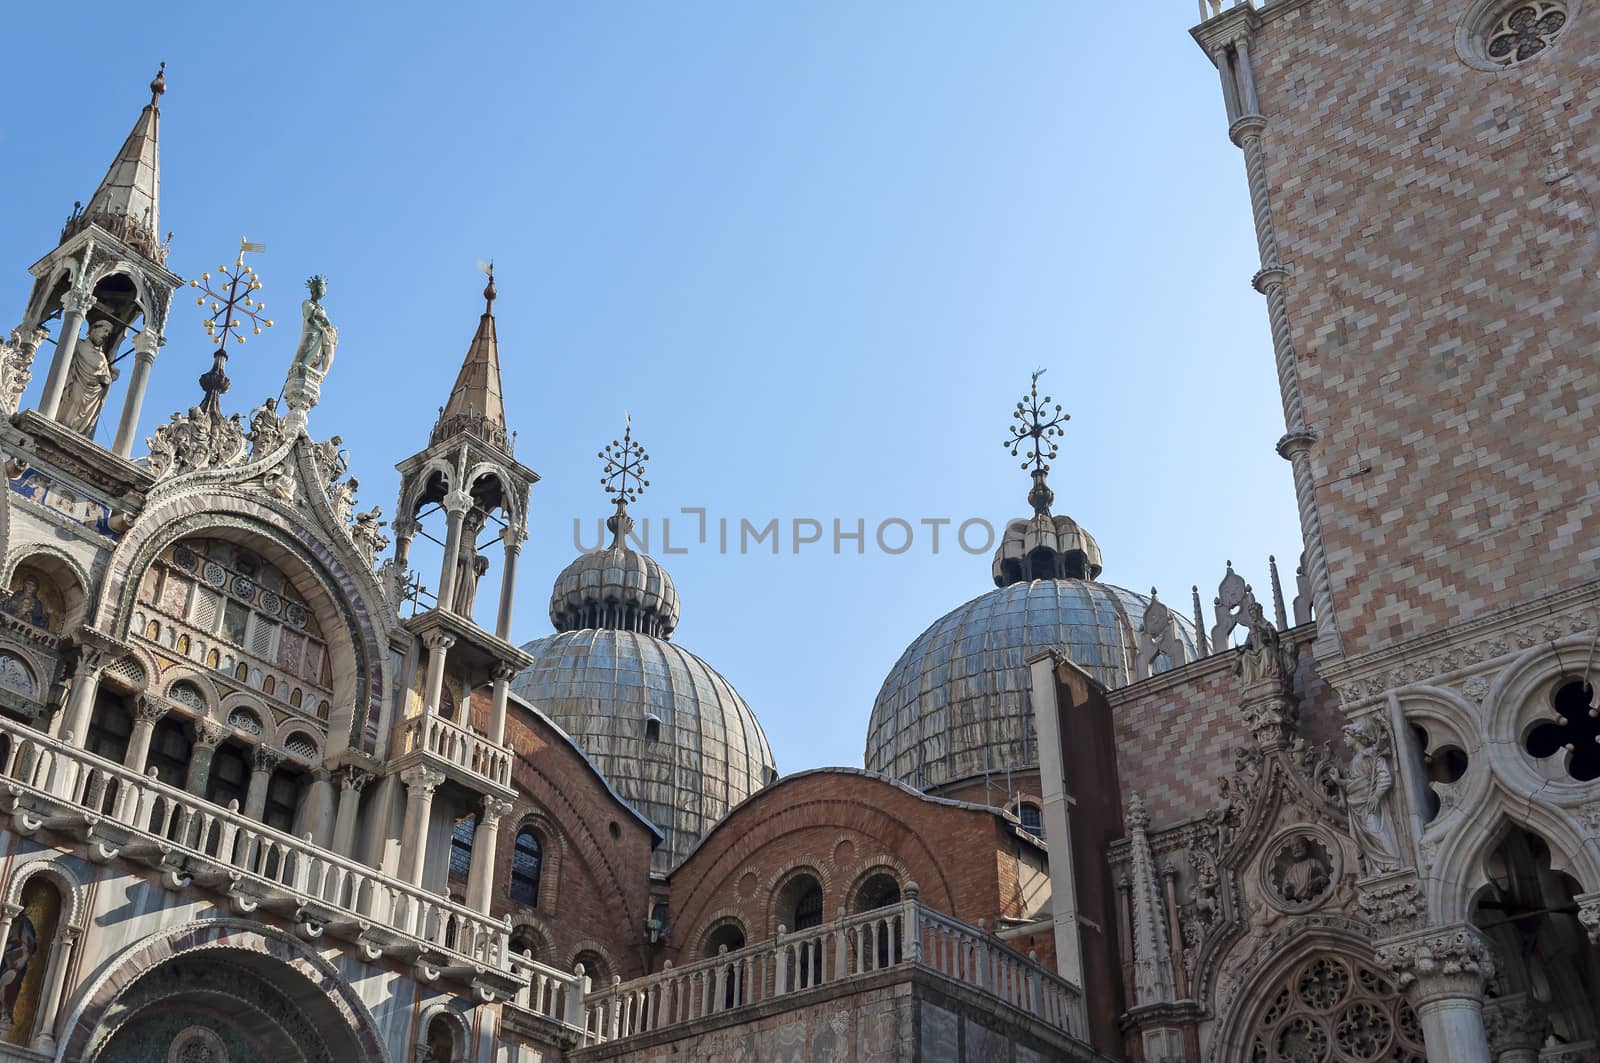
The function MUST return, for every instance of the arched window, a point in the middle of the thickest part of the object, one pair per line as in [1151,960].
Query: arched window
[213,659]
[808,906]
[1032,818]
[461,846]
[241,672]
[440,1046]
[878,891]
[297,697]
[526,859]
[731,936]
[595,966]
[183,645]
[524,942]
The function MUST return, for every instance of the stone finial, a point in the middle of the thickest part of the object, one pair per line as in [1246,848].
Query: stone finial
[1137,816]
[1278,612]
[1302,593]
[1157,637]
[1199,623]
[912,891]
[1233,596]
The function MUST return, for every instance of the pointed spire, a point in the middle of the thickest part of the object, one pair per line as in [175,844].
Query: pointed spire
[475,404]
[128,201]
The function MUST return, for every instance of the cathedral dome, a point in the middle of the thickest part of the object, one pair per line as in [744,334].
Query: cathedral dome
[669,733]
[955,705]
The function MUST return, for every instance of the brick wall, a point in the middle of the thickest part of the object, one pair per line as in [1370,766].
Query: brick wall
[1438,223]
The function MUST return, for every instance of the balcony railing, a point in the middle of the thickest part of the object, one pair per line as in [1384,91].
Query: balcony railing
[46,783]
[906,935]
[455,745]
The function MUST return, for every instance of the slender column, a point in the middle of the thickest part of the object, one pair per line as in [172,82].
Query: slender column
[485,838]
[1296,444]
[404,531]
[73,308]
[80,702]
[497,702]
[144,356]
[1517,1027]
[1443,971]
[420,785]
[54,977]
[513,537]
[455,505]
[438,643]
[316,810]
[207,737]
[351,782]
[263,762]
[147,712]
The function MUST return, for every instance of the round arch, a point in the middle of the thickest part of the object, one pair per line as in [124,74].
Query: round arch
[61,874]
[324,577]
[265,956]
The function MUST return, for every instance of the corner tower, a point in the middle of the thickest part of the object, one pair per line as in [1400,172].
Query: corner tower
[450,744]
[106,282]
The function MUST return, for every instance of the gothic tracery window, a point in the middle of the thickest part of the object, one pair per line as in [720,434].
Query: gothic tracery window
[1520,31]
[526,859]
[1336,1010]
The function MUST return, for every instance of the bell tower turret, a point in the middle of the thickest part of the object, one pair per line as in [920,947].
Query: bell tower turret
[105,282]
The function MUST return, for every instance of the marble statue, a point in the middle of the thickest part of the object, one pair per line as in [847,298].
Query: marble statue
[89,377]
[1262,656]
[318,336]
[365,533]
[342,496]
[1367,784]
[1305,872]
[266,429]
[331,461]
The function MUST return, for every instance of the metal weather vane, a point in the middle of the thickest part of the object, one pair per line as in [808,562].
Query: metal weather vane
[623,477]
[233,308]
[1037,429]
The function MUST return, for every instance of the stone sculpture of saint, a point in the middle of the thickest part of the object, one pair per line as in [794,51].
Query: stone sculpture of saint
[318,337]
[1305,876]
[89,377]
[1367,785]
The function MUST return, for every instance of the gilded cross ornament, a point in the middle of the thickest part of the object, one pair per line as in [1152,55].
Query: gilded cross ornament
[234,308]
[623,475]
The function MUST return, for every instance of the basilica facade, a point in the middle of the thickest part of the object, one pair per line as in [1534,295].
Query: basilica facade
[276,783]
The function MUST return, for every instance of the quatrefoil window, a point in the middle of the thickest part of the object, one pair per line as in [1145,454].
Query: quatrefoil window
[1523,30]
[1574,733]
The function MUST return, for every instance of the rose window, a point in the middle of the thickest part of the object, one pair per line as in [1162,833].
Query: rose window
[1523,30]
[1334,1010]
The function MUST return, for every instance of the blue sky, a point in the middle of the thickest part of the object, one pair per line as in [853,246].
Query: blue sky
[814,249]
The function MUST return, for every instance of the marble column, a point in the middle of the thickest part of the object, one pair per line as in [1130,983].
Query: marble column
[80,701]
[207,737]
[54,976]
[497,702]
[315,816]
[74,307]
[147,712]
[512,535]
[485,840]
[455,505]
[438,643]
[351,782]
[263,762]
[145,346]
[1443,972]
[420,785]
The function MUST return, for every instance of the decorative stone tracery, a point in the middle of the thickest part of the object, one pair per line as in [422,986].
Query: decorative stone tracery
[1335,1009]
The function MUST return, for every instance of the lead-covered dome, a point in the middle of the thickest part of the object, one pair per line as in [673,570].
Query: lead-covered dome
[956,703]
[670,734]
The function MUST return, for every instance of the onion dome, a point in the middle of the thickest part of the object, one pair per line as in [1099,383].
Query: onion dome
[669,733]
[955,705]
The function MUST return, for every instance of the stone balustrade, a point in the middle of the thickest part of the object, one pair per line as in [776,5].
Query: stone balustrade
[455,745]
[45,783]
[906,935]
[549,993]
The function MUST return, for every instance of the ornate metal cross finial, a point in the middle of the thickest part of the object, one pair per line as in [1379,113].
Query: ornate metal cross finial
[232,304]
[624,469]
[1037,428]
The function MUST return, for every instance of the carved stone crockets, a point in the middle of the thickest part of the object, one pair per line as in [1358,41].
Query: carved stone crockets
[1152,966]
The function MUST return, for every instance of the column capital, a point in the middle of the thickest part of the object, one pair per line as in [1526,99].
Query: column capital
[503,671]
[11,911]
[78,301]
[352,778]
[457,503]
[1297,441]
[264,758]
[1515,1023]
[1439,963]
[147,708]
[1245,128]
[438,640]
[1589,915]
[208,734]
[146,344]
[494,808]
[513,535]
[420,781]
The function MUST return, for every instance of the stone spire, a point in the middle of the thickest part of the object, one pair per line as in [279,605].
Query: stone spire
[128,201]
[1152,965]
[475,404]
